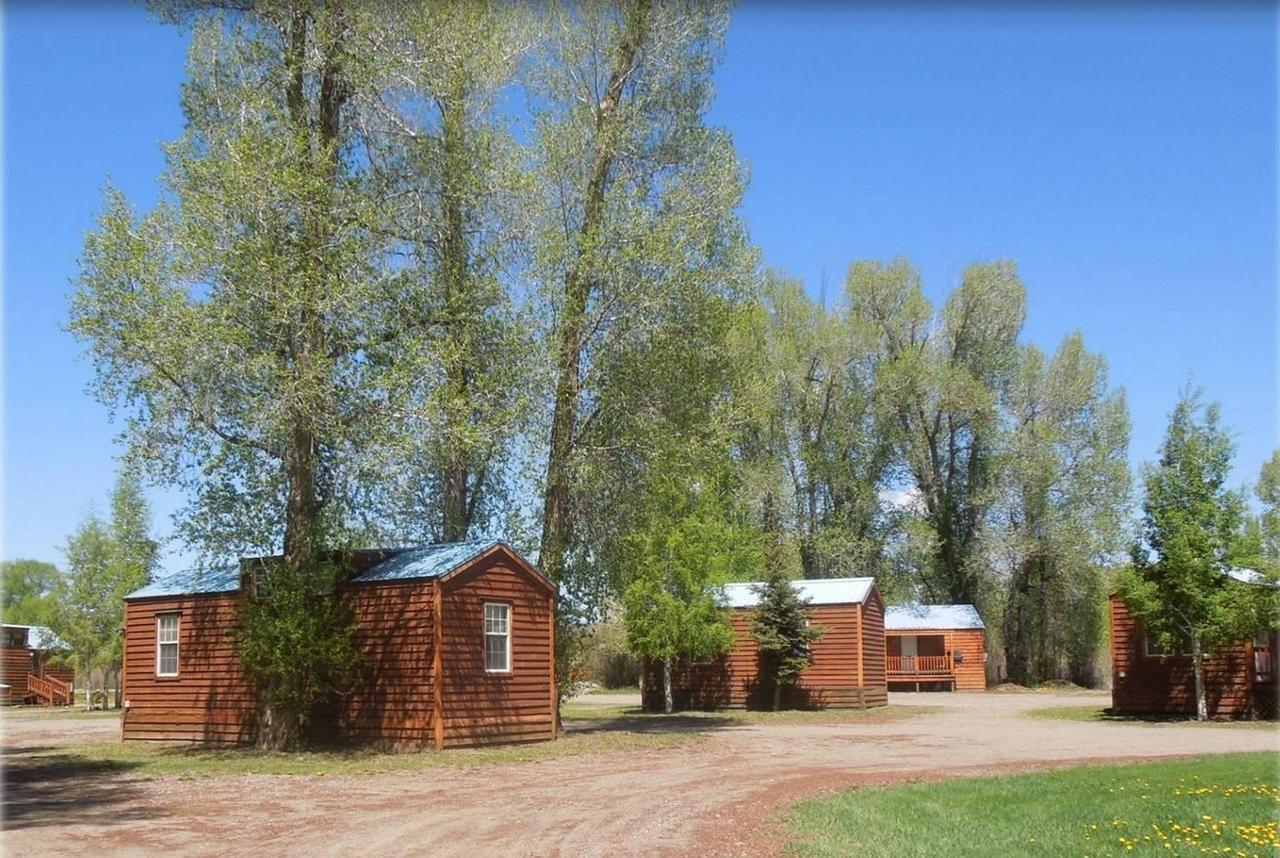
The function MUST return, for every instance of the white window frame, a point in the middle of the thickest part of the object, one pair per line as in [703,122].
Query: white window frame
[176,643]
[1150,648]
[506,609]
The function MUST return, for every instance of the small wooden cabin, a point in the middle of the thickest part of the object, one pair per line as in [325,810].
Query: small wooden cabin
[847,670]
[458,644]
[935,647]
[1240,679]
[28,673]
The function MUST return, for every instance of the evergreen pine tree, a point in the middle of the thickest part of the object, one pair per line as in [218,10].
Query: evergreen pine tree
[782,632]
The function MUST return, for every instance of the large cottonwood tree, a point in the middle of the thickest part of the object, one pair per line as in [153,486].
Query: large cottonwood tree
[447,165]
[822,427]
[634,228]
[1062,513]
[939,382]
[237,322]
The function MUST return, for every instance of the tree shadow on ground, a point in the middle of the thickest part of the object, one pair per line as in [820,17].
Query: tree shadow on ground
[1110,716]
[46,786]
[637,721]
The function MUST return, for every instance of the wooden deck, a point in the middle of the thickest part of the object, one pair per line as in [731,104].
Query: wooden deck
[921,669]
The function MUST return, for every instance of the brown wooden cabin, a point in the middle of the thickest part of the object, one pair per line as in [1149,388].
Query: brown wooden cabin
[28,673]
[1240,679]
[935,647]
[457,639]
[847,670]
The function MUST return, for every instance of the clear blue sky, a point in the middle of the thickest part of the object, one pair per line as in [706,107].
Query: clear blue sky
[1125,157]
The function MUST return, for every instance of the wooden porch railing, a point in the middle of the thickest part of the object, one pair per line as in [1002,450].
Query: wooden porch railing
[54,691]
[919,666]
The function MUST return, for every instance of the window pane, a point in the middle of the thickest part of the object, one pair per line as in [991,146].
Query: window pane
[495,652]
[495,619]
[169,658]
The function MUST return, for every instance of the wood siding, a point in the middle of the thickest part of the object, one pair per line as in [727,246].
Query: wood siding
[970,674]
[1143,684]
[394,701]
[15,665]
[831,680]
[209,700]
[485,708]
[390,705]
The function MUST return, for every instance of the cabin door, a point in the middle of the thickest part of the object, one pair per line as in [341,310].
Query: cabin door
[909,650]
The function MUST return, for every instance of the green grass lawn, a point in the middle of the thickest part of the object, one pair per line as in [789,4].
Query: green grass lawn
[580,711]
[19,713]
[1222,805]
[1099,714]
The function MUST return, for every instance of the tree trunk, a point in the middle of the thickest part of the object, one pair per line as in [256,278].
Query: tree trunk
[458,316]
[277,729]
[557,518]
[304,332]
[1197,665]
[1016,643]
[668,703]
[777,695]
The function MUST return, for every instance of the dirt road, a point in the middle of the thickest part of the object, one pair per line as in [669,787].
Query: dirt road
[719,797]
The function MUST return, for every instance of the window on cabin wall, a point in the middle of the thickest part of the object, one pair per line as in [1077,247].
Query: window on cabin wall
[166,644]
[497,637]
[1153,648]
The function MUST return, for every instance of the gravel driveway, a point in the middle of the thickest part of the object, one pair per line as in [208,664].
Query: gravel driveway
[719,797]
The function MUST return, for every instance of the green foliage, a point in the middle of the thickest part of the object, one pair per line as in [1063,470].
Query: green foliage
[811,428]
[782,632]
[637,258]
[1268,490]
[606,659]
[673,566]
[29,591]
[1067,485]
[297,644]
[1191,532]
[939,380]
[105,561]
[450,173]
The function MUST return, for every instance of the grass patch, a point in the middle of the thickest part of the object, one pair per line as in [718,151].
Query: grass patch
[878,715]
[1101,714]
[42,713]
[1219,805]
[189,761]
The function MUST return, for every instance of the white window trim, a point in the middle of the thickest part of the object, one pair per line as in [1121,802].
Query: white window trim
[485,628]
[177,642]
[1147,644]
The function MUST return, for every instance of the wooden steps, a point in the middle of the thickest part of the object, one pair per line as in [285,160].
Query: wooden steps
[48,691]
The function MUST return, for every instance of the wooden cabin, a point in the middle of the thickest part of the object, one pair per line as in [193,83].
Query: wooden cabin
[847,670]
[458,645]
[1240,679]
[29,672]
[935,647]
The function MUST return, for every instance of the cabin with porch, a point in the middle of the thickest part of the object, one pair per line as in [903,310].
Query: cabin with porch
[29,672]
[935,648]
[846,671]
[1240,679]
[457,640]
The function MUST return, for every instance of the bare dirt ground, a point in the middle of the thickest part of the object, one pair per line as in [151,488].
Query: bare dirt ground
[719,797]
